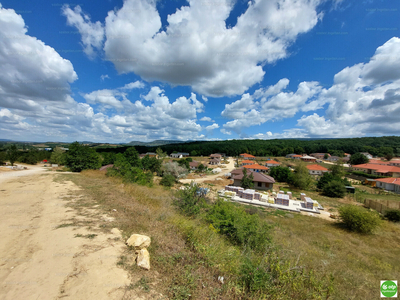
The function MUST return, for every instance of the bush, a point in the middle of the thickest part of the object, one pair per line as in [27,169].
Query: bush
[281,174]
[358,219]
[393,215]
[334,189]
[190,200]
[167,180]
[238,226]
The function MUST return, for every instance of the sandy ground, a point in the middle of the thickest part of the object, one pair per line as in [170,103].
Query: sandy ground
[225,169]
[40,260]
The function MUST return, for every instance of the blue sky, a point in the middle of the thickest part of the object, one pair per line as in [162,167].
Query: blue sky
[117,71]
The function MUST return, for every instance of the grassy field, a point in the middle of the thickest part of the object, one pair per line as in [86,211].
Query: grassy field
[187,257]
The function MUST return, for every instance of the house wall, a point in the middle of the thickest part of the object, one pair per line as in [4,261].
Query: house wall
[264,186]
[315,172]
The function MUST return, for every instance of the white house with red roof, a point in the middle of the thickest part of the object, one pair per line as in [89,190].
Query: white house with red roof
[381,170]
[256,168]
[272,163]
[316,169]
[247,156]
[246,162]
[389,184]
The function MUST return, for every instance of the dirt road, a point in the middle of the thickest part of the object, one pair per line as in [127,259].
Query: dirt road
[41,255]
[227,169]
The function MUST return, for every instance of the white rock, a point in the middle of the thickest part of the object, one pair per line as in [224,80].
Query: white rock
[143,259]
[138,241]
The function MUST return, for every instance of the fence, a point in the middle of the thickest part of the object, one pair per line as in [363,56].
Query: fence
[382,205]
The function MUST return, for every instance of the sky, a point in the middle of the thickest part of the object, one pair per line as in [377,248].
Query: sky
[141,70]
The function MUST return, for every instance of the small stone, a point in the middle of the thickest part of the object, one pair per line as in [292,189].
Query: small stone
[138,241]
[143,259]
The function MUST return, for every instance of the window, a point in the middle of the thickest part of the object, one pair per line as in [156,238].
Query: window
[259,184]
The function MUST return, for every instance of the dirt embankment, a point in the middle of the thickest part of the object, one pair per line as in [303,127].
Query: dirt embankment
[43,255]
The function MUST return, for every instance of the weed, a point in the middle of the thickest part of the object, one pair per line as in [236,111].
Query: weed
[87,236]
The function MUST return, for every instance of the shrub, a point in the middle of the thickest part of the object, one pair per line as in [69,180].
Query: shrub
[238,226]
[335,189]
[393,215]
[190,200]
[281,174]
[167,180]
[358,219]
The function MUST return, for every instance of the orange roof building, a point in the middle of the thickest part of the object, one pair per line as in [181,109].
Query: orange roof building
[256,168]
[316,169]
[247,156]
[272,163]
[247,162]
[389,184]
[381,170]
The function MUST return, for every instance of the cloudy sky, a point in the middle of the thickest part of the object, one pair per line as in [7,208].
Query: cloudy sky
[117,71]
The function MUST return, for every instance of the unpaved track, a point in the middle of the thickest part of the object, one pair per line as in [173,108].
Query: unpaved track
[39,260]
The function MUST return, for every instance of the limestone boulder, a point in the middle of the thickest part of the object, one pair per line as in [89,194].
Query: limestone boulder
[138,241]
[143,259]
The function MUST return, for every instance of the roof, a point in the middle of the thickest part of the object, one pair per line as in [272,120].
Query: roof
[238,171]
[316,168]
[257,177]
[215,155]
[378,162]
[273,162]
[256,166]
[307,157]
[194,164]
[298,155]
[379,168]
[214,160]
[247,155]
[246,161]
[391,180]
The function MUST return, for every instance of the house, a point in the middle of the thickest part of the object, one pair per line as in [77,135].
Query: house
[395,163]
[214,161]
[194,165]
[150,154]
[247,156]
[319,155]
[347,155]
[308,158]
[246,162]
[179,155]
[381,170]
[272,163]
[389,184]
[298,156]
[369,156]
[334,158]
[260,180]
[256,168]
[216,155]
[316,169]
[378,162]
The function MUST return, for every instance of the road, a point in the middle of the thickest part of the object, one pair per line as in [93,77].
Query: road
[39,259]
[228,168]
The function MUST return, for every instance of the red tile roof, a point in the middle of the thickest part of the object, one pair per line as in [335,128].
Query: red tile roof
[256,167]
[378,162]
[379,168]
[316,168]
[272,162]
[247,155]
[246,161]
[389,180]
[297,155]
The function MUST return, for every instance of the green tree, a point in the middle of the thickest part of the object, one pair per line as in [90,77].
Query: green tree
[358,159]
[193,153]
[3,157]
[326,156]
[337,170]
[57,156]
[247,181]
[167,180]
[301,177]
[389,156]
[12,154]
[281,174]
[334,188]
[161,154]
[80,158]
[132,156]
[201,168]
[324,179]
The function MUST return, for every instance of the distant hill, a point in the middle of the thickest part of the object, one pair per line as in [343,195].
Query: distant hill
[155,143]
[5,140]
